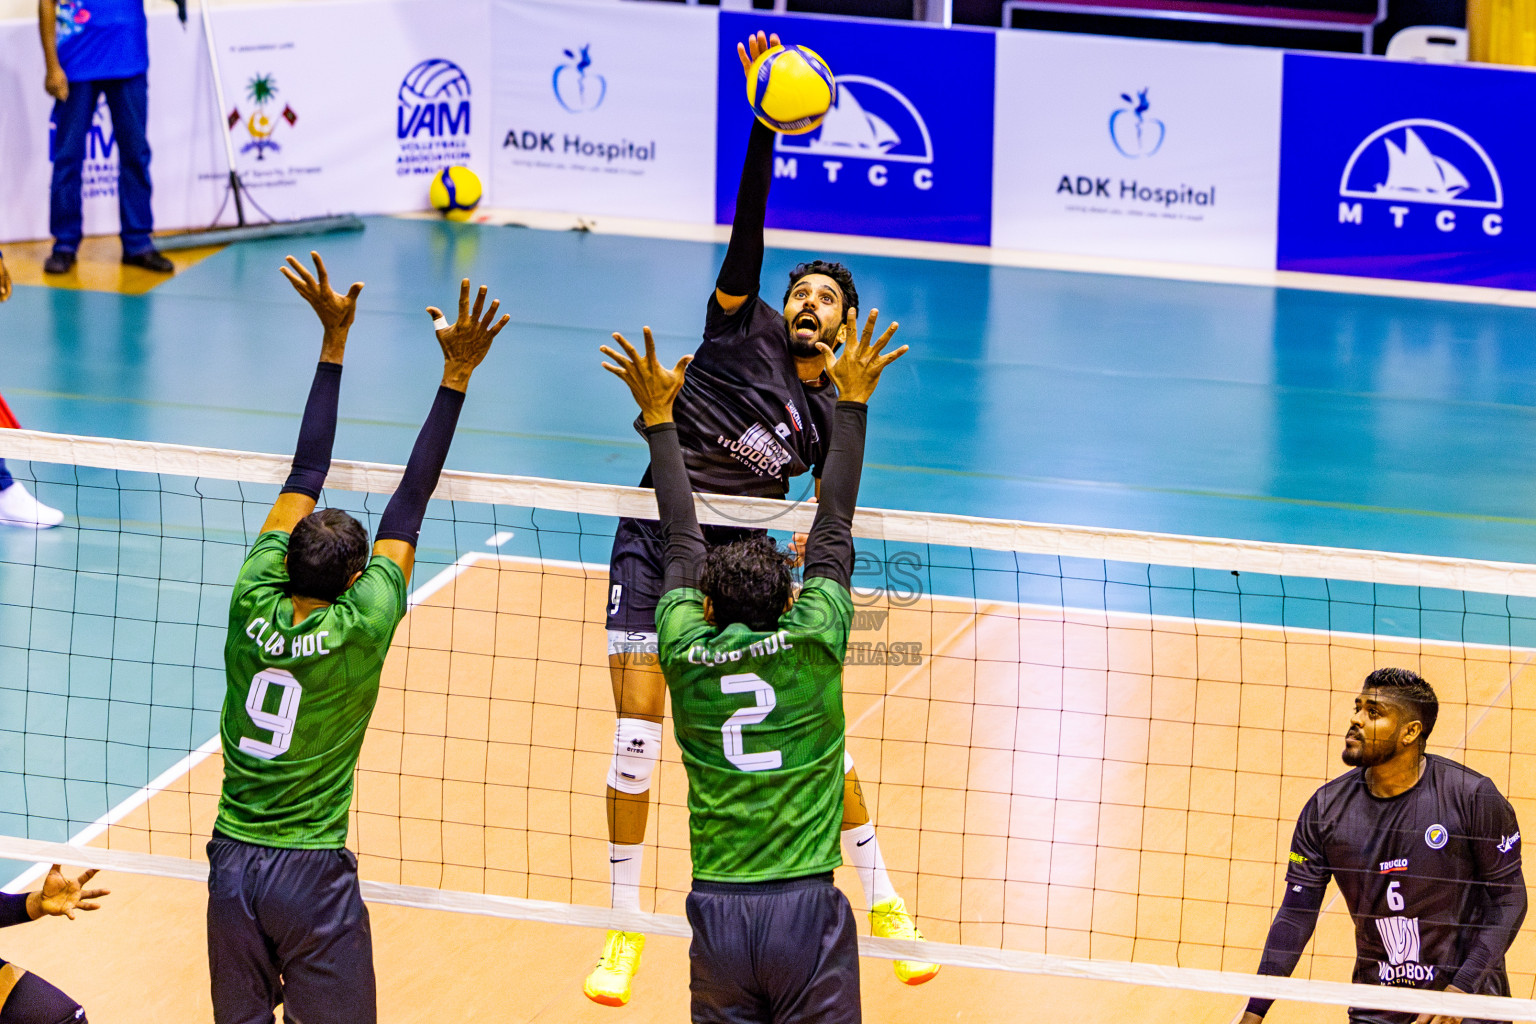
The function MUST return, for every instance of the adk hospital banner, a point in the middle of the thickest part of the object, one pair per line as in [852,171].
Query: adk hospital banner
[1046,142]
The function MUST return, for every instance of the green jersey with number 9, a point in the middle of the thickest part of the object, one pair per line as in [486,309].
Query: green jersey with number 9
[759,721]
[298,699]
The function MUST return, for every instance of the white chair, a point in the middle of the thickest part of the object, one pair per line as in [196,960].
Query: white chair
[1437,44]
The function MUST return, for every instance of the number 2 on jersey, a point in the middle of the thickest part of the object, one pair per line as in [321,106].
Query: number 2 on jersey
[279,722]
[730,732]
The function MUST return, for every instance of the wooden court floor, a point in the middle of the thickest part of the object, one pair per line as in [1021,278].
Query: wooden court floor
[1077,783]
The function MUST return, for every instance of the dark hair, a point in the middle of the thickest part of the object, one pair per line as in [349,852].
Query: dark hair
[747,581]
[1408,688]
[326,548]
[836,271]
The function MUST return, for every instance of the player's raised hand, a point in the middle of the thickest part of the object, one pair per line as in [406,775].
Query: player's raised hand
[754,47]
[336,311]
[857,371]
[466,341]
[63,896]
[654,386]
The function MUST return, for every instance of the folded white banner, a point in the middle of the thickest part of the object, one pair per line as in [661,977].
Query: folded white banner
[606,109]
[1136,149]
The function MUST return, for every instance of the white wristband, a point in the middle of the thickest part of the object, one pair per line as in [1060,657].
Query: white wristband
[439,324]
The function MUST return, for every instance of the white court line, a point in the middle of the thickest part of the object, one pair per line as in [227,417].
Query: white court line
[1405,1000]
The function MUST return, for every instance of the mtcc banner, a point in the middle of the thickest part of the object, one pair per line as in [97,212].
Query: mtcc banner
[906,150]
[1424,175]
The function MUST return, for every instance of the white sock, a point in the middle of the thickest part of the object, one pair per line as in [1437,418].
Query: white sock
[624,871]
[862,850]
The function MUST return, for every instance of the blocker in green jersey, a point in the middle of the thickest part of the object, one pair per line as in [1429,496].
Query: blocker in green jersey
[310,623]
[757,704]
[299,698]
[759,721]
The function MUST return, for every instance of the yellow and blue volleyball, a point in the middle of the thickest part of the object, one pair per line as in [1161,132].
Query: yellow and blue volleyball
[455,192]
[790,89]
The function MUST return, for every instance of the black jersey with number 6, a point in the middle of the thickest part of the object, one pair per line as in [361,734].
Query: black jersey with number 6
[1416,871]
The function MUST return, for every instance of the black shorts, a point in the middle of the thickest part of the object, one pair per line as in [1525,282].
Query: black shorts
[288,926]
[28,999]
[773,953]
[635,570]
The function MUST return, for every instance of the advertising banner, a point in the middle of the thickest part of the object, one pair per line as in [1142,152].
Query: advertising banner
[1136,149]
[906,151]
[1404,170]
[605,111]
[351,107]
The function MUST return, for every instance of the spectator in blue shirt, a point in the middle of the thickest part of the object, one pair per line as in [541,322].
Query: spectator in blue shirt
[96,48]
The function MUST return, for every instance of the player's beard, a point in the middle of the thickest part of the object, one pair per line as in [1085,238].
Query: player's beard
[1366,754]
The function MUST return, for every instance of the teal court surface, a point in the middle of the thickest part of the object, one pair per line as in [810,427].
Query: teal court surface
[1214,410]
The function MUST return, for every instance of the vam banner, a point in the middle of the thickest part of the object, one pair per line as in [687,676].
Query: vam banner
[905,152]
[1414,171]
[1136,149]
[605,110]
[348,107]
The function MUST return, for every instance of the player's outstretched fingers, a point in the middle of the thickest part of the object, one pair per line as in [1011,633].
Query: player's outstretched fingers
[463,298]
[490,314]
[324,278]
[439,322]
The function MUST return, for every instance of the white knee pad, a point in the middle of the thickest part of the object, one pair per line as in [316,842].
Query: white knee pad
[847,761]
[636,749]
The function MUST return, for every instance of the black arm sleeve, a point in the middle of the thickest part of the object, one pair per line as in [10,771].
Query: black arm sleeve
[1288,936]
[684,557]
[1502,916]
[1499,868]
[742,270]
[402,516]
[829,548]
[13,909]
[317,433]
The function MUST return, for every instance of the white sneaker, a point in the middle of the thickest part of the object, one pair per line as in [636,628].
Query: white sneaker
[19,508]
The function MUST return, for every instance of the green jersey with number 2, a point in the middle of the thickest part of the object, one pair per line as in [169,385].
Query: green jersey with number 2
[759,721]
[298,699]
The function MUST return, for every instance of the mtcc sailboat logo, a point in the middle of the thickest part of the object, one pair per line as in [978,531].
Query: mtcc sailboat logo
[872,131]
[1413,166]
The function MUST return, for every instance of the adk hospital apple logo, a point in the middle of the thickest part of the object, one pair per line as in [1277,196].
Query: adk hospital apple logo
[1135,134]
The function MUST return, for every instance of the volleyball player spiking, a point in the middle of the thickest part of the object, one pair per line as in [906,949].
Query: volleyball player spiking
[756,409]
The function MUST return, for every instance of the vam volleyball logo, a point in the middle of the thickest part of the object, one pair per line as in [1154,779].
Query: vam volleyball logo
[432,117]
[870,129]
[1420,169]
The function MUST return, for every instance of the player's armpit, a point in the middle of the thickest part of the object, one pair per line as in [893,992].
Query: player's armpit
[399,552]
[287,511]
[730,304]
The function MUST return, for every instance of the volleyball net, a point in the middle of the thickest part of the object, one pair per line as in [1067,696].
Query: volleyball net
[1084,750]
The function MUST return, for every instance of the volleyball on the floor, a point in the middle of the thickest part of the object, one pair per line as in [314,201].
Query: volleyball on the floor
[790,89]
[455,191]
